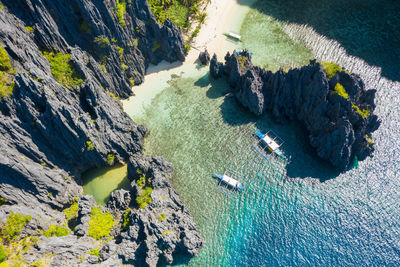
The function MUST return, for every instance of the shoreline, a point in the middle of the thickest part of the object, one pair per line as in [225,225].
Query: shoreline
[211,36]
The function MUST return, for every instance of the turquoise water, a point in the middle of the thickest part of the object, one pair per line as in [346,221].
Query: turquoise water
[301,213]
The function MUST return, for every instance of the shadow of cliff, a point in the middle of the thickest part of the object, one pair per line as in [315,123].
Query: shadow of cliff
[367,29]
[304,160]
[231,110]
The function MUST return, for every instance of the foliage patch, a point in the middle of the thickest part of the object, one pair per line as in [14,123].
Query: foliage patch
[331,69]
[56,230]
[63,69]
[121,10]
[13,225]
[6,81]
[339,89]
[363,112]
[100,224]
[110,159]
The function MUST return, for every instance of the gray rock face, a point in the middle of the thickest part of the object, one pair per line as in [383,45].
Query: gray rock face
[49,134]
[164,227]
[67,250]
[336,130]
[64,24]
[216,68]
[204,57]
[119,200]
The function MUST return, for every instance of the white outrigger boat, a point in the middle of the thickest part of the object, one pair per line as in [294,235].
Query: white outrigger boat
[233,36]
[272,141]
[228,182]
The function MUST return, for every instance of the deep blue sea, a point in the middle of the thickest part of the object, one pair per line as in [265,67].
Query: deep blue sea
[302,212]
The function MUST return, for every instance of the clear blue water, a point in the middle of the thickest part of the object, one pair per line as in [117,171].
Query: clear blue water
[299,214]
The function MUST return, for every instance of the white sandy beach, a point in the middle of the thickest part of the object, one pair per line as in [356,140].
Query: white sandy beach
[222,16]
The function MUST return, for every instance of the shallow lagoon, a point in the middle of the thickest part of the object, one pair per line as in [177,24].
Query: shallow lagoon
[303,213]
[100,182]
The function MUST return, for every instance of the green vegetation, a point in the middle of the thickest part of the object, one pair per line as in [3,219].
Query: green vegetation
[120,52]
[14,224]
[114,96]
[1,6]
[242,60]
[89,145]
[142,181]
[145,196]
[71,214]
[121,11]
[369,139]
[363,112]
[102,41]
[195,32]
[178,14]
[56,230]
[110,159]
[95,252]
[100,224]
[331,69]
[63,69]
[339,89]
[155,47]
[124,66]
[187,47]
[166,232]
[126,219]
[132,81]
[29,29]
[176,11]
[162,217]
[6,81]
[3,254]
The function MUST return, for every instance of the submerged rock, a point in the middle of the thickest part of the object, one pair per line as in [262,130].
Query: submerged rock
[204,57]
[339,123]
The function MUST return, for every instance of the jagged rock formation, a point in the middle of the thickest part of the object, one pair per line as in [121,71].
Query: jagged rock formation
[164,228]
[50,134]
[204,57]
[339,124]
[95,28]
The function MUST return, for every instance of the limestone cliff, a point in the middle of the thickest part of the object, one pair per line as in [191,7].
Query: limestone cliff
[50,133]
[337,112]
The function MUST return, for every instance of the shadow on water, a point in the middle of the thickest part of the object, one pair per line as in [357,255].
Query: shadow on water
[232,112]
[296,140]
[367,29]
[304,160]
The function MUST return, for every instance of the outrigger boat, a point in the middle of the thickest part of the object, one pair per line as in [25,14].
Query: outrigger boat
[229,182]
[272,141]
[233,36]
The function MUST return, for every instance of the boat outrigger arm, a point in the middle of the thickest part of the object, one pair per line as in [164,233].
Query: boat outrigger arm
[272,140]
[236,185]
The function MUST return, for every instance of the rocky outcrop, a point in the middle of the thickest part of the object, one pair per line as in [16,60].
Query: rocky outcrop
[204,57]
[339,125]
[50,134]
[163,228]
